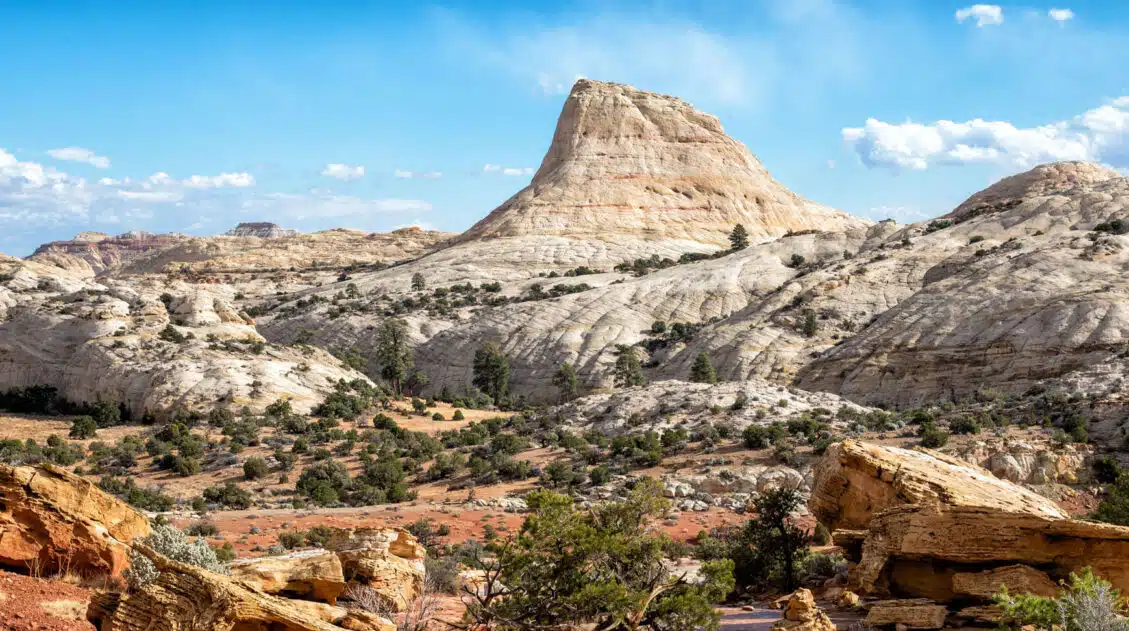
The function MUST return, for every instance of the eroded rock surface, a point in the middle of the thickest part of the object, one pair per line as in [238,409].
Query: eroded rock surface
[52,521]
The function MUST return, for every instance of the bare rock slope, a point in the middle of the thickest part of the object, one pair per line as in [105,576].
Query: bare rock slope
[150,344]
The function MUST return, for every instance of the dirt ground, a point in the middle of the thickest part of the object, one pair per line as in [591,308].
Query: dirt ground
[29,604]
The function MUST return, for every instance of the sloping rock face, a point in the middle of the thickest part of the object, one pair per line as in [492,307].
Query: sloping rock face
[309,574]
[1013,289]
[150,344]
[940,529]
[389,560]
[261,230]
[53,521]
[625,163]
[188,598]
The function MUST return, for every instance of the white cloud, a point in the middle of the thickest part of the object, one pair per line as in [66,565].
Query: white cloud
[31,194]
[1061,15]
[423,175]
[494,168]
[223,180]
[830,164]
[343,172]
[79,154]
[984,14]
[1100,134]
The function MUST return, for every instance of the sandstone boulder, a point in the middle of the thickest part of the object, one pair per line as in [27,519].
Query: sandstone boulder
[959,537]
[187,598]
[54,521]
[389,560]
[1018,579]
[911,614]
[309,574]
[854,481]
[802,614]
[941,529]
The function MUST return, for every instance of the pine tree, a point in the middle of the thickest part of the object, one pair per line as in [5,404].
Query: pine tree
[418,283]
[739,238]
[565,382]
[394,353]
[492,372]
[702,371]
[628,370]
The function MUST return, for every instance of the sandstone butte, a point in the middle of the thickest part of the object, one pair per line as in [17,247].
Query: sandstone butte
[625,164]
[943,530]
[52,521]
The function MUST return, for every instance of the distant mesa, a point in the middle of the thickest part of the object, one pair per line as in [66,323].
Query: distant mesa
[261,229]
[629,164]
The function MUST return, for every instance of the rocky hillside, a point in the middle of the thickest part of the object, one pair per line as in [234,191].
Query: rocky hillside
[249,247]
[150,345]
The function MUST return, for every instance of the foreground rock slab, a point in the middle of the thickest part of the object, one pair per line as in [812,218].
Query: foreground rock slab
[188,598]
[53,521]
[309,574]
[912,614]
[855,480]
[389,560]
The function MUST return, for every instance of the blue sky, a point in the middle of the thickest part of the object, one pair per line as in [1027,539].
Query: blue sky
[375,115]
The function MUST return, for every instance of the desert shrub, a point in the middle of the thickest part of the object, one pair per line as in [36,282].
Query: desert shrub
[83,427]
[225,553]
[458,415]
[1106,469]
[964,425]
[202,529]
[1086,603]
[229,495]
[150,499]
[933,437]
[756,437]
[174,544]
[255,468]
[291,539]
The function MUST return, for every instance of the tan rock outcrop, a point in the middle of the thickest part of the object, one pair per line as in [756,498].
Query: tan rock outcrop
[52,521]
[802,614]
[932,522]
[389,560]
[950,537]
[854,481]
[188,598]
[1018,579]
[309,574]
[912,614]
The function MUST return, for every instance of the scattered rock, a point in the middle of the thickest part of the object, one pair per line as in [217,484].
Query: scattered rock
[802,614]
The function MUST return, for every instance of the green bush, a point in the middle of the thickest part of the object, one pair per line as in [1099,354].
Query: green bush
[933,437]
[228,495]
[83,427]
[173,544]
[1086,603]
[255,468]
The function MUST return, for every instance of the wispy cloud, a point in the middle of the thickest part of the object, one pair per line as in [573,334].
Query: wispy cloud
[984,14]
[807,46]
[80,154]
[343,172]
[1061,15]
[422,175]
[32,194]
[1100,134]
[498,169]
